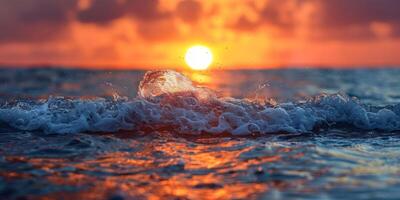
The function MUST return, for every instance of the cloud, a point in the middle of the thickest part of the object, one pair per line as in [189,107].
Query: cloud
[336,19]
[160,30]
[244,24]
[356,20]
[40,20]
[342,13]
[278,14]
[105,11]
[189,10]
[152,24]
[34,20]
[145,10]
[101,11]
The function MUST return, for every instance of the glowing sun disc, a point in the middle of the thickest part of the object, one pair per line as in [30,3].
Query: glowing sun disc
[198,57]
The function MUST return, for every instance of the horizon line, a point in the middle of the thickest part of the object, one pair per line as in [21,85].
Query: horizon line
[184,68]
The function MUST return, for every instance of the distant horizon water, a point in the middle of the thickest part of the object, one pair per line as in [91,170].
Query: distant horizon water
[183,67]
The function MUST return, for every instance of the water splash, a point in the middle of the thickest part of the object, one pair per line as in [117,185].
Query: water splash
[156,83]
[167,82]
[168,100]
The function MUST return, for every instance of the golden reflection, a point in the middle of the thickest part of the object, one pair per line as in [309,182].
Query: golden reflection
[200,77]
[261,87]
[168,168]
[225,83]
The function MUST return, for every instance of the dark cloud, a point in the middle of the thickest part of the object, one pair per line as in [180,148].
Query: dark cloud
[34,20]
[338,13]
[145,10]
[244,24]
[46,10]
[358,33]
[102,11]
[41,20]
[342,13]
[105,11]
[334,19]
[152,24]
[352,20]
[189,10]
[160,30]
[279,14]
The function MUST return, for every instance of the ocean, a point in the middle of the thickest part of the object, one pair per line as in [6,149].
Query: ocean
[223,134]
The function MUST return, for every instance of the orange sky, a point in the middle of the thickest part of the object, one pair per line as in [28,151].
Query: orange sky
[241,33]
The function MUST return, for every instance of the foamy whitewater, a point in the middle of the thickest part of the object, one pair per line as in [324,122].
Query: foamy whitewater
[219,134]
[168,100]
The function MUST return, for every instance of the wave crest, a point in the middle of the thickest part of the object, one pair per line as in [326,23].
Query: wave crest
[168,100]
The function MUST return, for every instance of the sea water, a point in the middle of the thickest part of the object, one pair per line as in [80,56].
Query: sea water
[244,134]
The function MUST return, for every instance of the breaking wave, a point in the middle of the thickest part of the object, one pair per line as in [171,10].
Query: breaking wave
[167,100]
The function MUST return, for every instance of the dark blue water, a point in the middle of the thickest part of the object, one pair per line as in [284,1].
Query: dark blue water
[267,134]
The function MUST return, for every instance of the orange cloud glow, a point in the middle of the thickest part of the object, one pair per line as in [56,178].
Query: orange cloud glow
[242,34]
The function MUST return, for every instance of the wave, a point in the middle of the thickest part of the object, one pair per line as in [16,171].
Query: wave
[168,100]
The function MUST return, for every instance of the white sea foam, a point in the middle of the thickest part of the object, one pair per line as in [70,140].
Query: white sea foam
[169,100]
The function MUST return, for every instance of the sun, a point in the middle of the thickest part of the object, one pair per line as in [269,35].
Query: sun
[198,57]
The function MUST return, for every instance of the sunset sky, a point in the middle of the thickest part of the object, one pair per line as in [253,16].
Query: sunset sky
[241,33]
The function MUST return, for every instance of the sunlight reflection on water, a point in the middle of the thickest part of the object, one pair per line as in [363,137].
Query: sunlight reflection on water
[165,167]
[330,164]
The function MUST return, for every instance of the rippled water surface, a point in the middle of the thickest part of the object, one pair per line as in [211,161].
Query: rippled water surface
[77,134]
